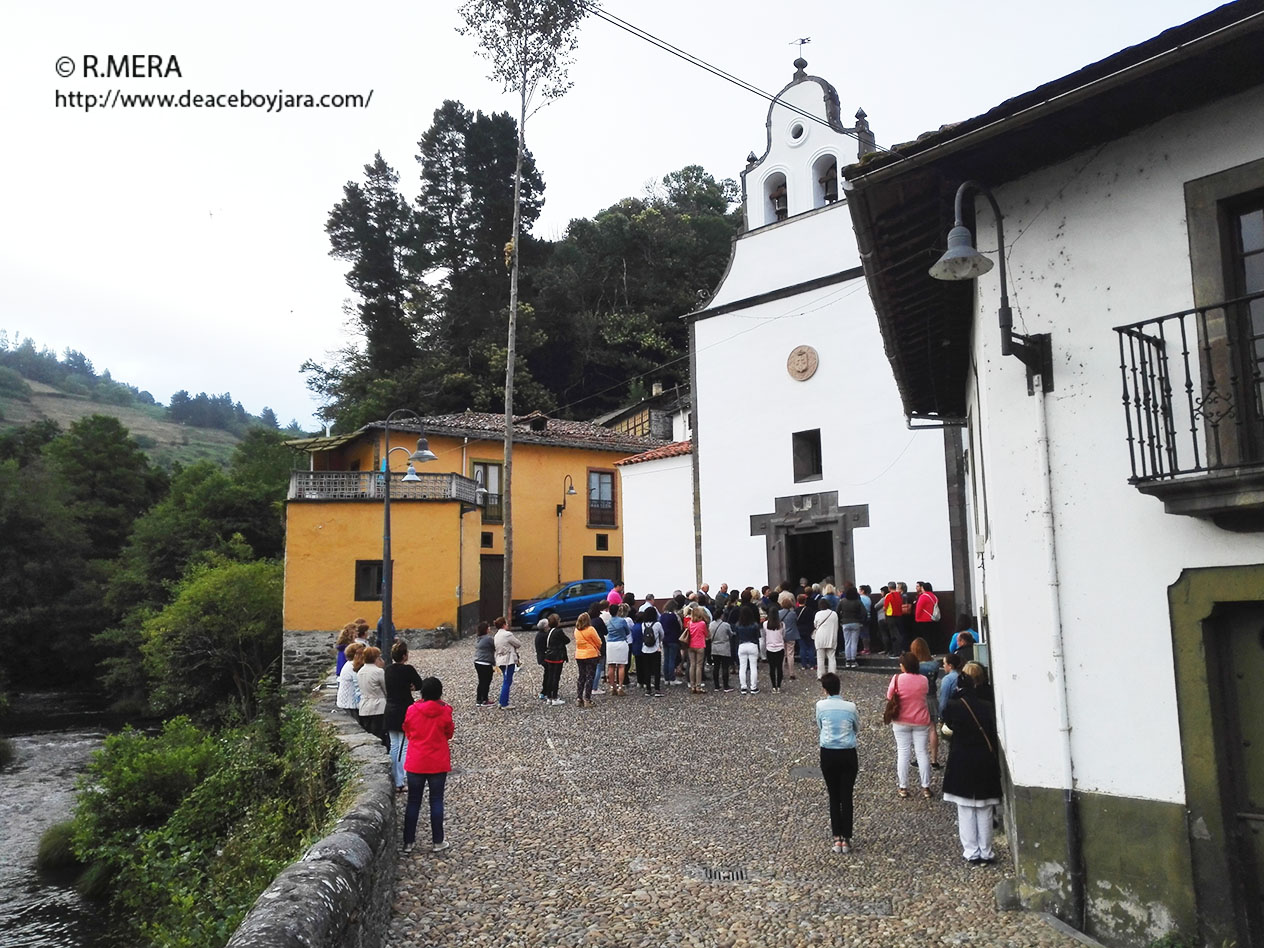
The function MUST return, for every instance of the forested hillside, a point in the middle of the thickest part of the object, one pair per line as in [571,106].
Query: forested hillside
[600,309]
[39,387]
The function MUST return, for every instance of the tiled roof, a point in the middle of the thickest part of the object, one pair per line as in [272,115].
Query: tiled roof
[487,426]
[675,450]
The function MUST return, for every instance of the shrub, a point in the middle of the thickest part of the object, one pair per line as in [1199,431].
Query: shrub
[13,385]
[56,850]
[181,870]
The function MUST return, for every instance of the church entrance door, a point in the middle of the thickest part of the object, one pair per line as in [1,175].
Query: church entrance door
[811,555]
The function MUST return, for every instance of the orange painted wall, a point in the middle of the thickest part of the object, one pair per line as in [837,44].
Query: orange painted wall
[539,474]
[325,538]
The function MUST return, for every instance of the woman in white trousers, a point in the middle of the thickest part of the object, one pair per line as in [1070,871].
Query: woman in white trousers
[825,637]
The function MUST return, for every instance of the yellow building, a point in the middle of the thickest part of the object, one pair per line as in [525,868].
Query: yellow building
[447,551]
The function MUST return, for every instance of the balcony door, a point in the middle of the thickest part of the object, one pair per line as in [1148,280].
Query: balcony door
[1246,246]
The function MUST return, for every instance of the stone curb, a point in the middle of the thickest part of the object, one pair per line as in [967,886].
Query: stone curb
[339,893]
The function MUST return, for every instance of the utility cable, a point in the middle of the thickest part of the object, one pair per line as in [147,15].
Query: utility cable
[720,73]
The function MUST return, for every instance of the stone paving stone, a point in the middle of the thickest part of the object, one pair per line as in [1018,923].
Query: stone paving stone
[600,827]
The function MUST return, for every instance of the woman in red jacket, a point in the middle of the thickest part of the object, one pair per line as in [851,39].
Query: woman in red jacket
[428,727]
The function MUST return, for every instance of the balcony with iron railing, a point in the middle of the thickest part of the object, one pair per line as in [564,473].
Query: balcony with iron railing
[1193,400]
[600,512]
[368,485]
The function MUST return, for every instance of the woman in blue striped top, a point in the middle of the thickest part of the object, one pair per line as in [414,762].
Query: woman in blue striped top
[838,723]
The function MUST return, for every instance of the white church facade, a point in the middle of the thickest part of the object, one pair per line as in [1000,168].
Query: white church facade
[804,464]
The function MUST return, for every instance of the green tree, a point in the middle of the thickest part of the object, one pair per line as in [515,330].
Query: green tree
[374,229]
[621,280]
[26,444]
[209,650]
[43,559]
[108,480]
[529,44]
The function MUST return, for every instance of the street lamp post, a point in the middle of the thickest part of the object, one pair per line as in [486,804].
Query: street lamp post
[962,261]
[568,490]
[420,456]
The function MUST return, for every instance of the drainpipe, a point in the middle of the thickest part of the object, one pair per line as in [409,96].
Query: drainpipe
[1071,816]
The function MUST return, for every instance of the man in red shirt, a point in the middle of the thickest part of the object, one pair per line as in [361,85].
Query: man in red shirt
[892,609]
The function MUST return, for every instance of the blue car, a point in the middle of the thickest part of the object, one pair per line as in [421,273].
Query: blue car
[568,600]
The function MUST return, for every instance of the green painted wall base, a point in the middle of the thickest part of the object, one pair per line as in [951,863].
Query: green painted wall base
[1138,878]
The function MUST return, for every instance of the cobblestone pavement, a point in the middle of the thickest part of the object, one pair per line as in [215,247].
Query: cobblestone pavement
[606,826]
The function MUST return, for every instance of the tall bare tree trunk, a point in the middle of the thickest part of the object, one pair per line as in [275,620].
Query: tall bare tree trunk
[510,358]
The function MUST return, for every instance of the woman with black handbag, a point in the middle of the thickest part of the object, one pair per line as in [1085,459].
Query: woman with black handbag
[972,779]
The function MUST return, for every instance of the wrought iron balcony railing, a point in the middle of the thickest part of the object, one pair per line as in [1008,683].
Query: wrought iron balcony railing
[367,485]
[601,512]
[1193,395]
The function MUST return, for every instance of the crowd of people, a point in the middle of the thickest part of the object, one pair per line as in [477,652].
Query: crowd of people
[690,637]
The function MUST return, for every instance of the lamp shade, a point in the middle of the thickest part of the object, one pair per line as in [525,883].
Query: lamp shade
[411,476]
[423,452]
[960,261]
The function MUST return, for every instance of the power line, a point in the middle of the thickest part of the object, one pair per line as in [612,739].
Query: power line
[717,71]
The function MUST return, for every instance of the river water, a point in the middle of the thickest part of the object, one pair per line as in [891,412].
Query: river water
[39,910]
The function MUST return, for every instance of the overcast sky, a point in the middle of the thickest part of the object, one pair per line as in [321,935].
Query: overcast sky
[186,248]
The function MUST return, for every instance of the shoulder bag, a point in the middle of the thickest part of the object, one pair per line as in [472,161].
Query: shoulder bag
[892,710]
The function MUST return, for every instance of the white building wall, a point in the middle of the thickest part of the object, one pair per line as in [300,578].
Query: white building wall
[658,536]
[747,406]
[1095,242]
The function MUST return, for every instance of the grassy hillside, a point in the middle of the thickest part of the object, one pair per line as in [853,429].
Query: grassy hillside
[164,441]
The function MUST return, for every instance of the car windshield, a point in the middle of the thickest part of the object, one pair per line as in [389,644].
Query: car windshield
[552,591]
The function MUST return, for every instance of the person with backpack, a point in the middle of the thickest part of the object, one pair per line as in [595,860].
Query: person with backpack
[649,662]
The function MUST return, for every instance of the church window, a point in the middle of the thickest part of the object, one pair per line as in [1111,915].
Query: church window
[806,450]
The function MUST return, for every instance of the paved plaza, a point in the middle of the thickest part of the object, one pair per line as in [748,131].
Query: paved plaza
[685,820]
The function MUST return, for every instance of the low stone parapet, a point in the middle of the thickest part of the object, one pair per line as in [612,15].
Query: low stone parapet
[339,893]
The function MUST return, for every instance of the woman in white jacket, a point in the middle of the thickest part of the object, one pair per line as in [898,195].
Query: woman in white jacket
[825,637]
[507,659]
[372,680]
[348,686]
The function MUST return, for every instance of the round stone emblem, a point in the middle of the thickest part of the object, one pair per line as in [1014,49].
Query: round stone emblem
[802,363]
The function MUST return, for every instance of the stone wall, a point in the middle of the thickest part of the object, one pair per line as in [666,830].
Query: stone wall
[339,893]
[306,655]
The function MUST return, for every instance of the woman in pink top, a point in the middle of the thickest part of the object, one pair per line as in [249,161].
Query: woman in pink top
[912,724]
[697,632]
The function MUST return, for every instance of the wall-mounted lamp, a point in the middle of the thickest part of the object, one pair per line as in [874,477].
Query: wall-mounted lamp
[963,262]
[568,490]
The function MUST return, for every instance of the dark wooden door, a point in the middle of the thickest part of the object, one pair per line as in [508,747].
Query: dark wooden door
[1240,656]
[603,567]
[491,589]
